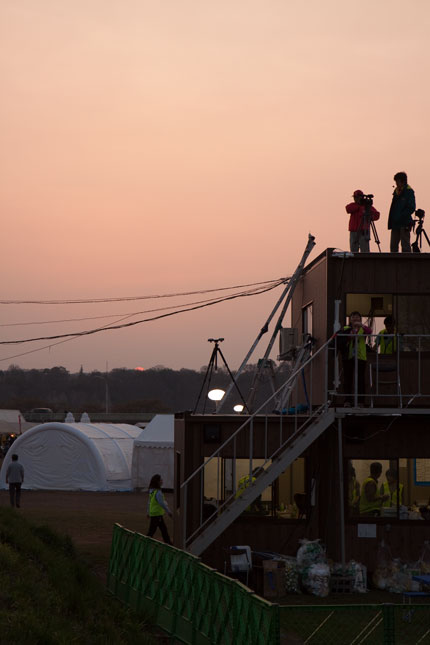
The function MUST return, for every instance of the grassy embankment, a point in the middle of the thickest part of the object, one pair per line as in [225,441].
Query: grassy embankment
[49,595]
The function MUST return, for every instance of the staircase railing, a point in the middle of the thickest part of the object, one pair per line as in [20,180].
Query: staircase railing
[410,360]
[298,420]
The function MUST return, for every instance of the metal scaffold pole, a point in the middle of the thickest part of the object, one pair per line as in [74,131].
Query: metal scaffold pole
[286,295]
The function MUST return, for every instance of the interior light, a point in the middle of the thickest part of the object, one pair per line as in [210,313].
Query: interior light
[238,408]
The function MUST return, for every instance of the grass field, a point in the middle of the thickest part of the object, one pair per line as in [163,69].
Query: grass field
[87,518]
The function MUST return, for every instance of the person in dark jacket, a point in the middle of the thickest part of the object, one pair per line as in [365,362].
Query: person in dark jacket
[359,223]
[15,478]
[400,217]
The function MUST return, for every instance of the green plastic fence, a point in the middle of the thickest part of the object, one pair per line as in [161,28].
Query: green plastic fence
[197,605]
[356,624]
[190,601]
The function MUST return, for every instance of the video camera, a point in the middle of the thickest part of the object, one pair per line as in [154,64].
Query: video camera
[420,215]
[367,200]
[419,222]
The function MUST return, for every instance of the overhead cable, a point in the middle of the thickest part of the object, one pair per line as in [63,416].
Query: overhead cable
[250,292]
[134,298]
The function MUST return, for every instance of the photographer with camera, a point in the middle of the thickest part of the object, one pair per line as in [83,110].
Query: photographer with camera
[400,217]
[362,213]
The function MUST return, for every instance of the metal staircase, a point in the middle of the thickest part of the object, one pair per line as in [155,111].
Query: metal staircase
[304,429]
[292,449]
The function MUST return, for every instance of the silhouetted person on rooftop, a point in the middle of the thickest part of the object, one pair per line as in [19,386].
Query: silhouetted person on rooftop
[400,217]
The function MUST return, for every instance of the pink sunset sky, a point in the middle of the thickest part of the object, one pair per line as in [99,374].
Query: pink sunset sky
[181,145]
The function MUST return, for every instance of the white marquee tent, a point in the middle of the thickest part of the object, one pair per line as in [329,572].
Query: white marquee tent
[153,452]
[75,456]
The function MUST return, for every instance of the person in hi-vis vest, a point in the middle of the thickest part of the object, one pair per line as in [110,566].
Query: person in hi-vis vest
[353,490]
[157,507]
[370,499]
[355,351]
[392,489]
[244,483]
[386,340]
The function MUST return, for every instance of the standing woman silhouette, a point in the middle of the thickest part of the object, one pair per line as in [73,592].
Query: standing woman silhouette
[157,507]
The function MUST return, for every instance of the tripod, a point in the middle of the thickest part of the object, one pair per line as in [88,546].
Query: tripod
[416,246]
[213,366]
[368,225]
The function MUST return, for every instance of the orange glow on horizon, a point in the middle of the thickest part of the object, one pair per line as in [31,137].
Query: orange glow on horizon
[164,147]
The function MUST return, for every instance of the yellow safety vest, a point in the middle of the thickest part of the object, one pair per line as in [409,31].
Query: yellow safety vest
[386,345]
[361,344]
[392,501]
[244,483]
[353,496]
[366,506]
[155,510]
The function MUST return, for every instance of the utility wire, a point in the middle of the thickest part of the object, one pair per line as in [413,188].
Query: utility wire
[88,332]
[135,313]
[133,298]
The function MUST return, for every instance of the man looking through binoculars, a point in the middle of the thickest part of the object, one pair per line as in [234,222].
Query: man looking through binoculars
[362,213]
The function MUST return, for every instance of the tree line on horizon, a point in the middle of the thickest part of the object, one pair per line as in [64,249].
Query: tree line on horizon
[158,389]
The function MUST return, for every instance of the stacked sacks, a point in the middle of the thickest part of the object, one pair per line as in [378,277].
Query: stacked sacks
[313,567]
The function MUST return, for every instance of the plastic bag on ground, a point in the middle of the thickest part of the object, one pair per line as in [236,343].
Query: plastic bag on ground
[316,579]
[310,552]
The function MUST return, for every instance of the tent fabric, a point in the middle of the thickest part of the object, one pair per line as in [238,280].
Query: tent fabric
[78,456]
[153,452]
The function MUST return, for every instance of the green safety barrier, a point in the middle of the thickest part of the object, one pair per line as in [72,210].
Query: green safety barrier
[356,624]
[197,605]
[190,601]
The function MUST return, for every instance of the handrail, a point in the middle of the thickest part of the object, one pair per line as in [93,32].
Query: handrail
[291,439]
[302,421]
[254,414]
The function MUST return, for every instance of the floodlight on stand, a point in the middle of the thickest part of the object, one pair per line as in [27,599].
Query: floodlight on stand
[216,395]
[238,408]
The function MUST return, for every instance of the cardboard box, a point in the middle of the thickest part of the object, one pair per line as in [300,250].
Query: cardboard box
[274,579]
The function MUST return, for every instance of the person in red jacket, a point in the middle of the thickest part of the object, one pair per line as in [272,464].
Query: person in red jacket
[359,224]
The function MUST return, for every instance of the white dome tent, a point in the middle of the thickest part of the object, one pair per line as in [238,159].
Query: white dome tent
[75,456]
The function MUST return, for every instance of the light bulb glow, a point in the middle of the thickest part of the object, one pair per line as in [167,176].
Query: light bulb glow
[216,395]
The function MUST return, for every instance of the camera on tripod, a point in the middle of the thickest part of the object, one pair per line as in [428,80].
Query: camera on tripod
[420,232]
[367,200]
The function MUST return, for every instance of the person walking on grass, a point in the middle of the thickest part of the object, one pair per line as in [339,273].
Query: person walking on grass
[15,478]
[157,507]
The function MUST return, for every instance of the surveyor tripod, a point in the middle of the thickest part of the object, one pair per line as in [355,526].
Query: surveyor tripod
[213,367]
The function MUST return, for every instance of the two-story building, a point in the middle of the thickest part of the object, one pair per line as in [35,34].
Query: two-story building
[269,479]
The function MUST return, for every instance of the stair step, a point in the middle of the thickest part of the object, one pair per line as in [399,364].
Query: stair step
[282,460]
